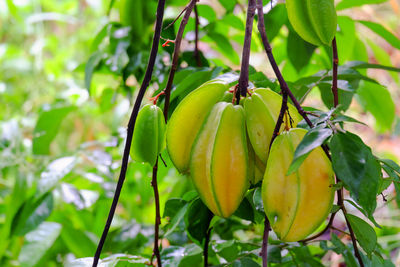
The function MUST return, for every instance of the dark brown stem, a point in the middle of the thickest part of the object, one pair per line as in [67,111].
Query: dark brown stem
[175,57]
[264,251]
[279,122]
[335,73]
[131,126]
[205,249]
[244,70]
[157,223]
[196,37]
[327,227]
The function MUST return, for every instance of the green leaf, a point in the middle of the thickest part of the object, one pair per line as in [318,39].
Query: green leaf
[299,52]
[31,214]
[228,250]
[274,19]
[206,12]
[77,241]
[376,99]
[178,256]
[47,128]
[91,66]
[229,5]
[197,219]
[346,38]
[223,45]
[365,234]
[245,262]
[366,65]
[245,210]
[38,242]
[353,3]
[355,165]
[313,139]
[391,164]
[382,32]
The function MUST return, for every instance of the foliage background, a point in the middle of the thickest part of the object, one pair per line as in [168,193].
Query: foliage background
[68,78]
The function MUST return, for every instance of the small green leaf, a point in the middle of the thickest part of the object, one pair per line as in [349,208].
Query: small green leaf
[355,165]
[91,66]
[77,241]
[365,65]
[313,139]
[299,52]
[38,242]
[47,128]
[197,220]
[245,210]
[365,234]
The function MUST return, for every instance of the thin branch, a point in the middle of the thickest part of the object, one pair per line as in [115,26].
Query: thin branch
[264,247]
[196,37]
[335,73]
[131,126]
[157,223]
[279,122]
[175,57]
[205,249]
[327,227]
[244,70]
[173,22]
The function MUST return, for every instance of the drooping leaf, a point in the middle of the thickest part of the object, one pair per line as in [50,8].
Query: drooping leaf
[197,219]
[376,99]
[38,242]
[382,32]
[299,51]
[313,139]
[353,3]
[31,214]
[365,65]
[365,234]
[77,241]
[47,128]
[355,165]
[91,66]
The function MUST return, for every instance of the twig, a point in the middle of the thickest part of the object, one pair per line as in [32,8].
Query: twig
[196,37]
[339,230]
[157,223]
[327,227]
[131,126]
[173,22]
[279,122]
[264,251]
[335,73]
[188,10]
[244,70]
[205,249]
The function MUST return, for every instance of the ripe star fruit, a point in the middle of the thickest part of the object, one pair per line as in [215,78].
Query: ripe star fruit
[262,110]
[314,20]
[187,119]
[296,205]
[219,159]
[148,138]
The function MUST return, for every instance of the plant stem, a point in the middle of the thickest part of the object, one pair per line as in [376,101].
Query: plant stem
[335,73]
[264,251]
[244,70]
[157,223]
[205,249]
[131,126]
[175,57]
[196,37]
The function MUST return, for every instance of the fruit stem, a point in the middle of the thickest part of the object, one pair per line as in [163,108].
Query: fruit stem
[244,70]
[131,126]
[335,73]
[188,10]
[205,249]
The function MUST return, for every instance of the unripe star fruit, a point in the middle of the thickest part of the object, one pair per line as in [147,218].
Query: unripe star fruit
[148,138]
[297,204]
[314,20]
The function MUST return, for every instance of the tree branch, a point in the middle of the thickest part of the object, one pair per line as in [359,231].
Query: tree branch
[264,247]
[335,73]
[175,57]
[205,249]
[196,37]
[244,70]
[131,126]
[157,223]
